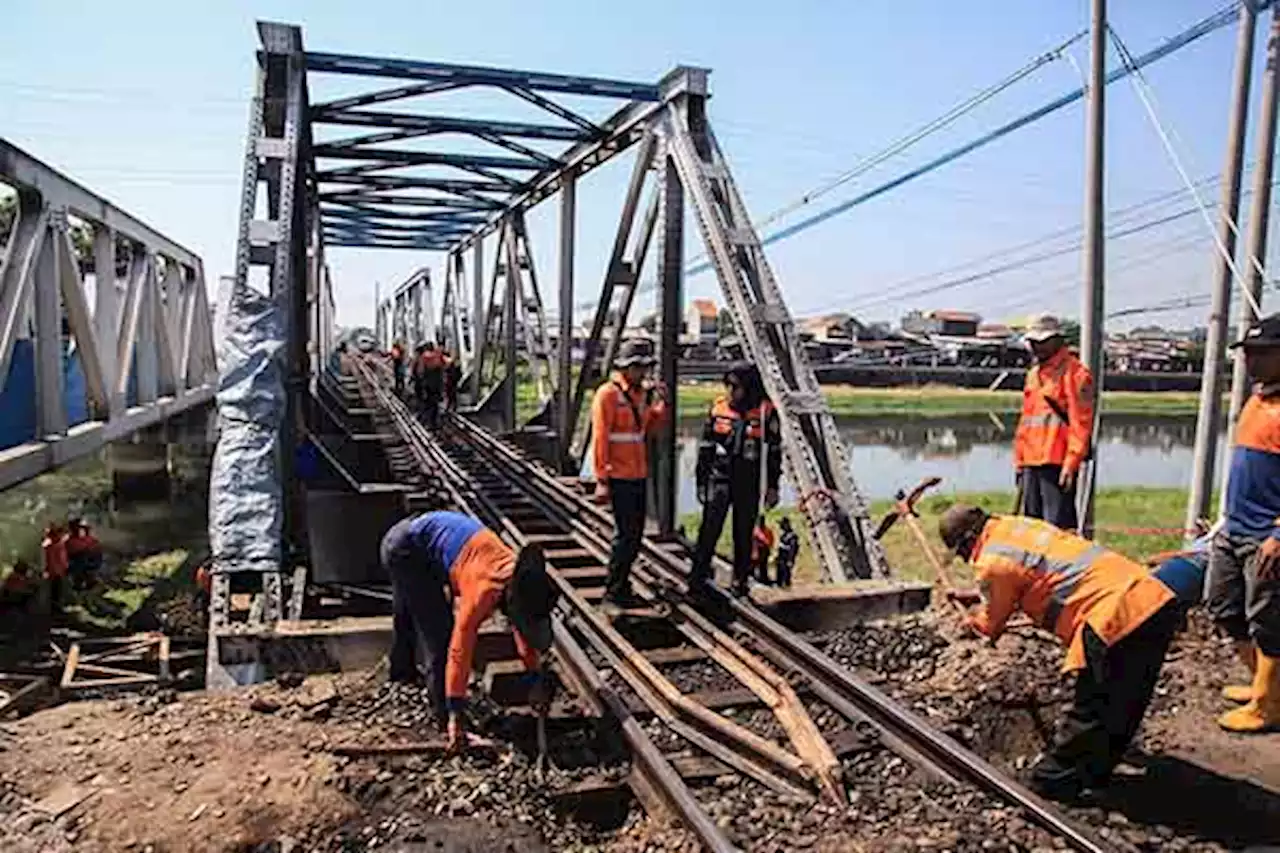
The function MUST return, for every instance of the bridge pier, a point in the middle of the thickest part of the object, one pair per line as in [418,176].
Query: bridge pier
[141,467]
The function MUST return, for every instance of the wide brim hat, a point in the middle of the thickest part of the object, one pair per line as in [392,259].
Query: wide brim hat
[533,597]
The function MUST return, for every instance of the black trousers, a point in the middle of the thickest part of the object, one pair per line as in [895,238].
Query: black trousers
[422,615]
[742,495]
[629,500]
[397,374]
[1042,497]
[786,562]
[1111,697]
[431,408]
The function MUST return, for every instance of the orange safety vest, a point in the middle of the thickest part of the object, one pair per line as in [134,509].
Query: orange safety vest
[761,538]
[723,417]
[622,418]
[1057,414]
[1063,582]
[55,556]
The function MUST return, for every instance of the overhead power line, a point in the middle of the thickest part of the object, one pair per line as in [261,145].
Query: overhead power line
[1170,46]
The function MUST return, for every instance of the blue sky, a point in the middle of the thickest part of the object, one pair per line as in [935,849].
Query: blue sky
[146,102]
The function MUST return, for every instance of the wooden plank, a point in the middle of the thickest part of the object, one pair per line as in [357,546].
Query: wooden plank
[679,654]
[131,648]
[99,669]
[103,683]
[164,658]
[34,686]
[69,670]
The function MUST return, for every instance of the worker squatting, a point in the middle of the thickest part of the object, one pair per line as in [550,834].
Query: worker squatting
[1115,617]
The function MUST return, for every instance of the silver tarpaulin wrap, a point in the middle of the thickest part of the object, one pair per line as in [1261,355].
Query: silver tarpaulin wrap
[246,502]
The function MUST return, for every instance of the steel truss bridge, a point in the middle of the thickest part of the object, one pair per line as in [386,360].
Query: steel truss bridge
[76,374]
[389,166]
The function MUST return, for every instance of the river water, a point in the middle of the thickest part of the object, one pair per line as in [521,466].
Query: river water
[975,453]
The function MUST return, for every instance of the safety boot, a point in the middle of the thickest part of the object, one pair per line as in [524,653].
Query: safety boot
[1263,711]
[1248,654]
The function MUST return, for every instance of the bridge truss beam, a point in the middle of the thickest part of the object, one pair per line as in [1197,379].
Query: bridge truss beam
[145,347]
[383,196]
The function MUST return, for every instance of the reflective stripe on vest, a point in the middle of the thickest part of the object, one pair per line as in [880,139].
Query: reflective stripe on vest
[1070,571]
[626,438]
[1045,419]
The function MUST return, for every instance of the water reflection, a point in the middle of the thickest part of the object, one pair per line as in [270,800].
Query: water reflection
[975,452]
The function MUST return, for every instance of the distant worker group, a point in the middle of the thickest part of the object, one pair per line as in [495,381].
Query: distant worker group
[433,376]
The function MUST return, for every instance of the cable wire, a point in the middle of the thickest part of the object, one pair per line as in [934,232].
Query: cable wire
[1171,45]
[1145,94]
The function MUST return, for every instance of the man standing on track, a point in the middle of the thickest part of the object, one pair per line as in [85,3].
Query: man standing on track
[741,434]
[1056,428]
[449,573]
[626,410]
[433,365]
[1244,562]
[1116,620]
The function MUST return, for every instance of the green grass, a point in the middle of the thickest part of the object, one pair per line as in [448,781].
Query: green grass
[1123,519]
[110,607]
[939,401]
[144,549]
[930,401]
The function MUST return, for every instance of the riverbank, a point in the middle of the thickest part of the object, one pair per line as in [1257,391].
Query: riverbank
[929,401]
[939,401]
[1137,522]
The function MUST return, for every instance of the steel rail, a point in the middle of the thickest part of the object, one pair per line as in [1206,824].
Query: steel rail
[825,675]
[656,771]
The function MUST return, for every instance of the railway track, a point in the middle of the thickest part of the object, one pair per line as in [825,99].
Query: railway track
[758,720]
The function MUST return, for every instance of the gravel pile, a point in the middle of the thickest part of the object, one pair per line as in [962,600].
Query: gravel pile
[890,808]
[1004,703]
[907,648]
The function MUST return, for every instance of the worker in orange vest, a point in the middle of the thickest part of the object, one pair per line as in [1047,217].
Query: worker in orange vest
[626,410]
[1116,620]
[1055,432]
[1244,561]
[84,553]
[18,589]
[740,435]
[431,383]
[54,548]
[761,548]
[449,574]
[397,367]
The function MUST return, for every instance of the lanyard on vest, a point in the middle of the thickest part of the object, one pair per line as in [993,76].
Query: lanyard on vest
[635,410]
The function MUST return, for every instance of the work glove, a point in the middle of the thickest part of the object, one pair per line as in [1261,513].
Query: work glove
[966,597]
[702,494]
[602,492]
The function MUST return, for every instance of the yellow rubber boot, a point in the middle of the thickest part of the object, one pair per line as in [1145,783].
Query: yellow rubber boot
[1263,711]
[1248,654]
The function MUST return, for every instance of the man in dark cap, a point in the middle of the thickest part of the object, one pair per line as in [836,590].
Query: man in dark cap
[449,573]
[1115,619]
[625,412]
[741,438]
[1244,562]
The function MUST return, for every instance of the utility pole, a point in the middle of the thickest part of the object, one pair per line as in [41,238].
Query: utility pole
[1091,314]
[1259,219]
[1207,423]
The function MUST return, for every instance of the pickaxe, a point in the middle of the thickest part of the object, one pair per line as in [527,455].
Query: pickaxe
[905,507]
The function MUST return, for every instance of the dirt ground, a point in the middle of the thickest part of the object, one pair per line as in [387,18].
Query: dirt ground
[255,770]
[1186,780]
